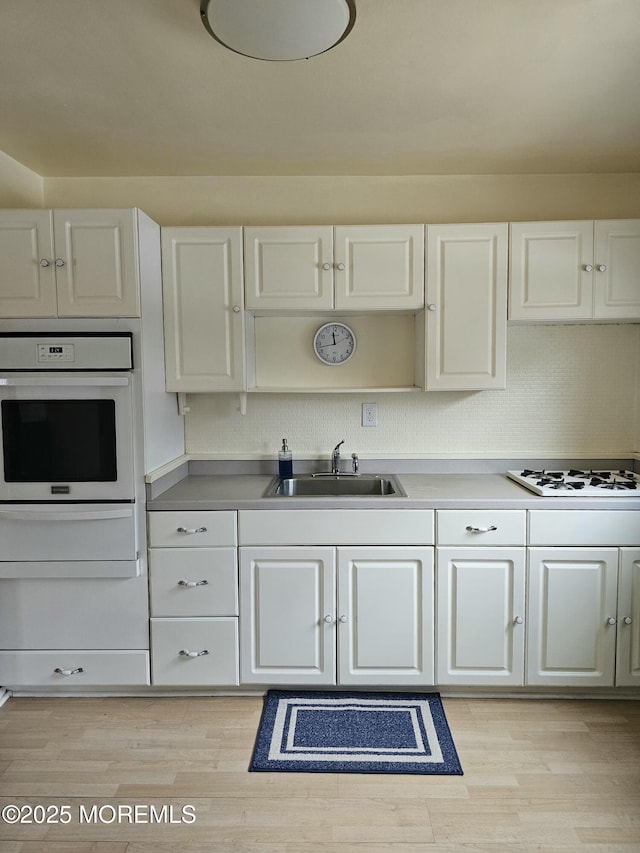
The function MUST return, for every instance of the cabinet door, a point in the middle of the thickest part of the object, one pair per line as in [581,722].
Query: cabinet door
[617,286]
[379,267]
[628,652]
[572,597]
[551,271]
[287,615]
[96,263]
[467,307]
[288,268]
[481,609]
[27,269]
[385,616]
[203,316]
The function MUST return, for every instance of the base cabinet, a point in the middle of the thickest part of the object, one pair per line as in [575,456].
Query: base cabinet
[322,615]
[628,646]
[481,616]
[571,637]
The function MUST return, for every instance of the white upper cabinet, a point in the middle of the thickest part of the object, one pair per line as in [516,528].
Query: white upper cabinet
[369,267]
[203,316]
[466,315]
[69,263]
[575,271]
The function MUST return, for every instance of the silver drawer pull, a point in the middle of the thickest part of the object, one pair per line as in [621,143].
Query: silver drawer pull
[187,654]
[472,529]
[191,584]
[192,529]
[59,671]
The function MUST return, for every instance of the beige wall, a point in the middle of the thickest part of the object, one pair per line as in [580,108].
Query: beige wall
[361,199]
[560,399]
[19,186]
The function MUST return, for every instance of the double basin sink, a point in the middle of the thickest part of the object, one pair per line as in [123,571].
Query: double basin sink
[336,486]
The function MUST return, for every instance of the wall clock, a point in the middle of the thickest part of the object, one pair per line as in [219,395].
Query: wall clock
[334,343]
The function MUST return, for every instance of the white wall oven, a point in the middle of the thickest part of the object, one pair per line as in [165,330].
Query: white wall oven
[67,486]
[67,418]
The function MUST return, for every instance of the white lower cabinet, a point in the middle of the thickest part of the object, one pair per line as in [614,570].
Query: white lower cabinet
[628,647]
[481,616]
[193,586]
[323,615]
[571,636]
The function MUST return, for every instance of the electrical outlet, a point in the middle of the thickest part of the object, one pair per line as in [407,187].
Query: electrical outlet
[369,414]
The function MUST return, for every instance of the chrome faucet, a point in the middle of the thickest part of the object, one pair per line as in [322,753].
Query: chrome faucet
[335,458]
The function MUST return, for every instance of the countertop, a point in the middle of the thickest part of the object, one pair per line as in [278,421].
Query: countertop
[424,491]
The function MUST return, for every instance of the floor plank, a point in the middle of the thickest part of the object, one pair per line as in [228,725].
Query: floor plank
[539,775]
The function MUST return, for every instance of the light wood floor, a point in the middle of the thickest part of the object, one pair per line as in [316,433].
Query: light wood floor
[540,775]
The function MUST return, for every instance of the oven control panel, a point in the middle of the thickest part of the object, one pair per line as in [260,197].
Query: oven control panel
[55,352]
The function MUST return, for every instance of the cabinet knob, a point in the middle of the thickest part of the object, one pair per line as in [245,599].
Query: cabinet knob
[518,620]
[185,653]
[344,619]
[191,530]
[611,620]
[236,309]
[59,262]
[340,267]
[627,620]
[588,268]
[431,307]
[326,266]
[328,619]
[192,584]
[601,268]
[45,263]
[473,529]
[60,671]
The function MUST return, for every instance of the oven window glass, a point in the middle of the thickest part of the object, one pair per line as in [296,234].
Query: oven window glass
[59,441]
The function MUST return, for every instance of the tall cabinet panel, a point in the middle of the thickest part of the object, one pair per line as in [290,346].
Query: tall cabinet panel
[27,272]
[466,307]
[203,309]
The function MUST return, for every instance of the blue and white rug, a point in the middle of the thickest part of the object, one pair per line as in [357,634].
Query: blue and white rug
[338,732]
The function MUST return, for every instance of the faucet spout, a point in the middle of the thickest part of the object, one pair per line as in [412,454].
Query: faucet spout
[335,458]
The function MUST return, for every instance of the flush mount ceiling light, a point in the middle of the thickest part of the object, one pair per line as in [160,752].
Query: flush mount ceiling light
[278,29]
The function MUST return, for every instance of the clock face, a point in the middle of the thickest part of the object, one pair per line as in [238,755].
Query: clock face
[334,343]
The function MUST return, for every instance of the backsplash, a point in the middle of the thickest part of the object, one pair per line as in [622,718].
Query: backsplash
[572,390]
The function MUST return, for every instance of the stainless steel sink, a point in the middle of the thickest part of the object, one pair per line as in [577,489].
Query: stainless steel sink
[336,486]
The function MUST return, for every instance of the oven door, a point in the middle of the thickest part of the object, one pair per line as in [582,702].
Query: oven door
[66,437]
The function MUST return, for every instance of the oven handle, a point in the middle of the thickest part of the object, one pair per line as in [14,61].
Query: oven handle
[30,381]
[72,515]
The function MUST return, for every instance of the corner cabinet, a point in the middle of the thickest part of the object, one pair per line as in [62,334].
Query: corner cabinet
[575,271]
[348,268]
[69,263]
[202,283]
[466,316]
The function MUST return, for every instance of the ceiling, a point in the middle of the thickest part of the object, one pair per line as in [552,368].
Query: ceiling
[138,87]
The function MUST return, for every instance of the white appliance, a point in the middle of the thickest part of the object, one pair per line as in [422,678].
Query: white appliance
[67,488]
[577,483]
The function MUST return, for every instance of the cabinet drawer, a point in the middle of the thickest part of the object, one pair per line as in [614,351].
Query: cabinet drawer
[193,581]
[584,527]
[481,527]
[79,668]
[336,527]
[197,652]
[191,529]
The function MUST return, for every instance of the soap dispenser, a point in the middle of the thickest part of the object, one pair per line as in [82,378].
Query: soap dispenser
[285,461]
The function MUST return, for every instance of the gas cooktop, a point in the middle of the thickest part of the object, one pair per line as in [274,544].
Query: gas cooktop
[578,483]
